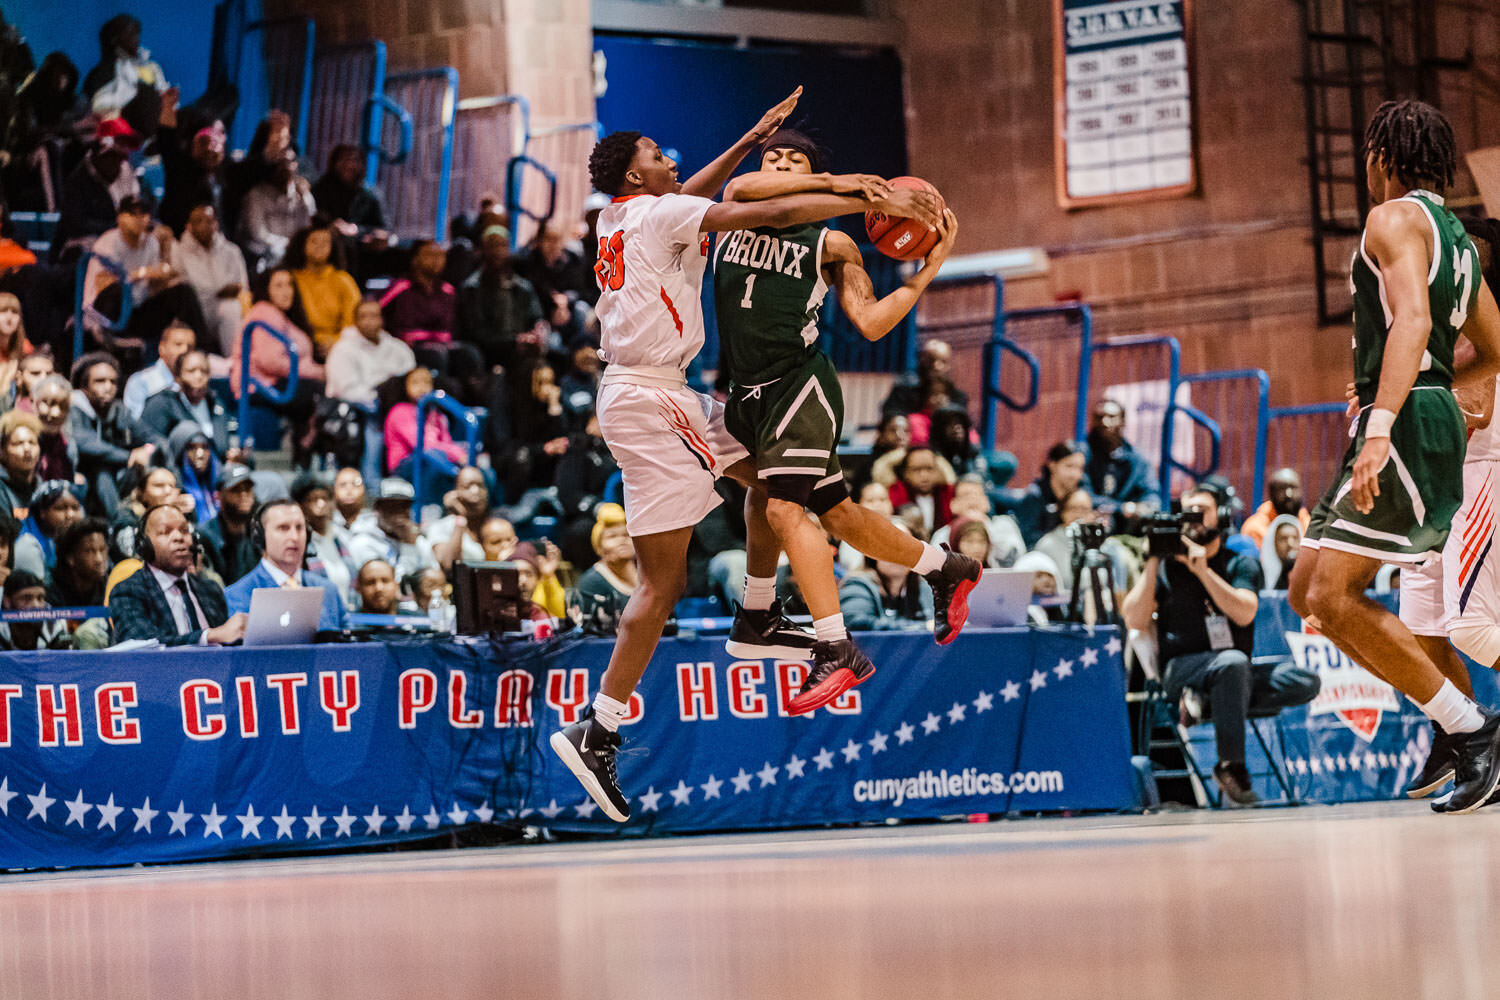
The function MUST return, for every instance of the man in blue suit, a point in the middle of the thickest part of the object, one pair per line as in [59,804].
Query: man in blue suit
[279,531]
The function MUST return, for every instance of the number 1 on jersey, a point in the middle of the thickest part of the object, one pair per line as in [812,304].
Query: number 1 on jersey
[749,287]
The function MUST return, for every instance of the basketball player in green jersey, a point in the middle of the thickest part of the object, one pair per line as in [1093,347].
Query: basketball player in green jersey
[1417,286]
[785,406]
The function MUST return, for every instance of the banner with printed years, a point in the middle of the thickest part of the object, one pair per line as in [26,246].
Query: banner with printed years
[179,754]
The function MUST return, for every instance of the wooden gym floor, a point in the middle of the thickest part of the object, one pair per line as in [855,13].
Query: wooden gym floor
[1366,901]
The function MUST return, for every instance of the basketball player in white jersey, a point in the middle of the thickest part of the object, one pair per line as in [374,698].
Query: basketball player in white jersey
[670,441]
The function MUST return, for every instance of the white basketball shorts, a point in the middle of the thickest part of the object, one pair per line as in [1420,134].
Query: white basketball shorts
[1467,577]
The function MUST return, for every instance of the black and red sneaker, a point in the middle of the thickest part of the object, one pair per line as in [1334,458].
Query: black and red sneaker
[950,594]
[837,667]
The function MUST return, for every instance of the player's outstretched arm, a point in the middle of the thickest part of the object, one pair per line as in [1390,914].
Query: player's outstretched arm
[875,317]
[707,182]
[762,184]
[796,209]
[1483,331]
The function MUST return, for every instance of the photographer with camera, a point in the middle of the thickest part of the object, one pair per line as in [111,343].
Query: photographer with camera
[1200,601]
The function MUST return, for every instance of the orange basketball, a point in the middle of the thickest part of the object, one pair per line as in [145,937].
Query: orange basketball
[902,239]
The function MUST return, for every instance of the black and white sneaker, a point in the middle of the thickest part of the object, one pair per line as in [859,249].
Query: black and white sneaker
[767,635]
[589,751]
[1438,770]
[1476,772]
[950,594]
[837,667]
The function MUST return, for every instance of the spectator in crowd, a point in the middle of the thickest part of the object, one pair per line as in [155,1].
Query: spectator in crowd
[276,304]
[141,489]
[327,292]
[455,538]
[187,403]
[274,211]
[349,510]
[24,591]
[281,536]
[580,386]
[1058,544]
[53,403]
[106,437]
[158,299]
[33,368]
[341,195]
[1117,475]
[529,562]
[18,457]
[442,456]
[498,536]
[1044,573]
[197,467]
[376,584]
[329,553]
[125,81]
[393,536]
[163,600]
[971,499]
[953,438]
[82,565]
[1283,499]
[608,584]
[48,111]
[565,284]
[422,585]
[971,537]
[1278,551]
[1039,510]
[583,474]
[911,393]
[101,181]
[13,343]
[10,530]
[214,269]
[193,165]
[364,357]
[498,311]
[920,483]
[529,444]
[52,508]
[264,159]
[227,544]
[422,308]
[176,340]
[884,595]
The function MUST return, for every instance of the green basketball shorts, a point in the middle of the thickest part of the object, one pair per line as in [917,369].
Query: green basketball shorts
[791,427]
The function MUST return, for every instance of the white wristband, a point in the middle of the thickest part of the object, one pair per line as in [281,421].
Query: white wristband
[1379,424]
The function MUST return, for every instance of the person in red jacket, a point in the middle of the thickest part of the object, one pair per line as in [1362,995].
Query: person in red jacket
[919,482]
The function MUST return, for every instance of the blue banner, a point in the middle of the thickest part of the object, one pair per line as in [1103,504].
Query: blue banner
[178,754]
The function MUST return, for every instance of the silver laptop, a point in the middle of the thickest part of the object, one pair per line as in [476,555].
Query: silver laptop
[283,617]
[1000,598]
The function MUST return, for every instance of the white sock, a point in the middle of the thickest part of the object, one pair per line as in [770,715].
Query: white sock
[1452,709]
[932,559]
[760,591]
[830,629]
[608,711]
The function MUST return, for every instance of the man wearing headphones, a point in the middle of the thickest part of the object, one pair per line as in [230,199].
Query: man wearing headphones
[279,532]
[162,600]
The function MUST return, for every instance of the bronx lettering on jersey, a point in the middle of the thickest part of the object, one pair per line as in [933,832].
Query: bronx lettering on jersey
[765,253]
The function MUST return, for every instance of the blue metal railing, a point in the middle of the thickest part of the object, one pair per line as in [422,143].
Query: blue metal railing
[1310,439]
[415,178]
[81,315]
[558,156]
[487,133]
[1260,383]
[348,102]
[470,419]
[249,385]
[1001,344]
[279,75]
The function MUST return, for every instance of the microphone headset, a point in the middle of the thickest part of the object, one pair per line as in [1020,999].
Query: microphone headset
[258,524]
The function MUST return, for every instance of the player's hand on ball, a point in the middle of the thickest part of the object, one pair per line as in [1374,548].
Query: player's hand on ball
[867,186]
[771,120]
[913,203]
[1364,486]
[947,234]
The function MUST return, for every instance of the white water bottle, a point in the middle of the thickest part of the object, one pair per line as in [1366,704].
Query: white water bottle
[437,613]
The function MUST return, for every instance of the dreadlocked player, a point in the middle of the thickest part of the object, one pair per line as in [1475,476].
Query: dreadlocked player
[1416,287]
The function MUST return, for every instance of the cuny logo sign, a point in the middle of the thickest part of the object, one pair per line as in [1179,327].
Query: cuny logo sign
[1357,697]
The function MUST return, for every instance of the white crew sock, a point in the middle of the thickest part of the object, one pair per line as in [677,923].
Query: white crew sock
[608,711]
[1452,709]
[932,559]
[830,629]
[760,591]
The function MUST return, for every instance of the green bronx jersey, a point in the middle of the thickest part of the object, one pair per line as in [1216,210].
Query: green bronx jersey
[1421,485]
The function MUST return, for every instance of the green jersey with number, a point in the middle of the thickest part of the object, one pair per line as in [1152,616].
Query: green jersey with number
[1452,291]
[768,288]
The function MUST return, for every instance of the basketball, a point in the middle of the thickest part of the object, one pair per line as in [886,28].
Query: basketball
[902,239]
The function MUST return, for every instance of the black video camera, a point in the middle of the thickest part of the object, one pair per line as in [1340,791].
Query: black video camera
[1163,532]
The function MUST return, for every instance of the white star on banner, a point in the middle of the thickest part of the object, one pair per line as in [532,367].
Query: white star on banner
[682,794]
[1011,691]
[742,781]
[1112,647]
[1089,658]
[179,820]
[1038,680]
[956,713]
[878,742]
[314,824]
[40,803]
[551,810]
[484,813]
[904,733]
[651,801]
[6,795]
[767,774]
[77,810]
[344,823]
[144,816]
[823,758]
[405,820]
[984,702]
[1342,761]
[521,815]
[711,787]
[930,724]
[213,823]
[108,813]
[284,824]
[1328,764]
[458,815]
[374,822]
[432,818]
[851,751]
[795,766]
[1316,765]
[586,808]
[1370,761]
[1063,669]
[250,823]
